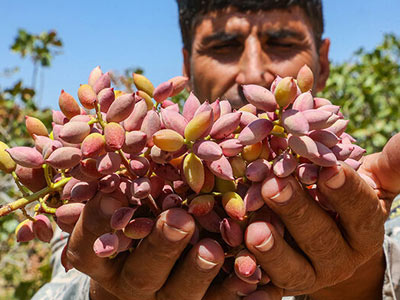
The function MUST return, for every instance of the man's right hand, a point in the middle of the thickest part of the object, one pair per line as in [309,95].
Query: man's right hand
[146,273]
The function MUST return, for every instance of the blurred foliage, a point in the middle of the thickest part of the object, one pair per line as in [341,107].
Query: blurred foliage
[180,99]
[17,102]
[40,47]
[124,81]
[368,89]
[25,267]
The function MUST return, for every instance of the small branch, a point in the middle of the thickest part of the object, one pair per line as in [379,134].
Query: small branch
[34,74]
[22,202]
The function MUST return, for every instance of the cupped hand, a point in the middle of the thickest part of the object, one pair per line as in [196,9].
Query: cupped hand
[332,257]
[150,271]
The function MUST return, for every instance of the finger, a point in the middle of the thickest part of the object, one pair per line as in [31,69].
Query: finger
[285,267]
[361,214]
[156,255]
[96,291]
[268,292]
[232,288]
[385,167]
[193,276]
[311,227]
[93,222]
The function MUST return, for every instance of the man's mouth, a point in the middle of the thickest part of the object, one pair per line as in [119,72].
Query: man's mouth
[235,97]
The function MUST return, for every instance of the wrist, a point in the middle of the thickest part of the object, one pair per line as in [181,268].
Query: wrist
[366,282]
[97,292]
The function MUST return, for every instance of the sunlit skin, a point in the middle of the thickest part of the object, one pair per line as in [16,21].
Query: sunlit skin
[232,48]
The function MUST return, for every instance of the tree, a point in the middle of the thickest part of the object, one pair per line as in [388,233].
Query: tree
[24,268]
[40,47]
[367,87]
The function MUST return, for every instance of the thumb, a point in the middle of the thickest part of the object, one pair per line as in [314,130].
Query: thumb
[384,167]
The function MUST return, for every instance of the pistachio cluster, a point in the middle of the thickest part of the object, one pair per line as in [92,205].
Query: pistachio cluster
[143,157]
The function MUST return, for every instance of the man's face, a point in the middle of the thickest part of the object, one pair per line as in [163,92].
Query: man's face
[232,48]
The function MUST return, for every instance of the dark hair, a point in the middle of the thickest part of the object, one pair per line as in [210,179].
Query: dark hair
[191,10]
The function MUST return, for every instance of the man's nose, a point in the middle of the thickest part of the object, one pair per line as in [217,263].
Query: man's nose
[253,64]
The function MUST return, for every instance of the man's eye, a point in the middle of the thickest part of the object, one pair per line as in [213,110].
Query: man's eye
[280,44]
[225,46]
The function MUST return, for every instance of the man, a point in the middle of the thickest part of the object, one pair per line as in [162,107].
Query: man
[228,44]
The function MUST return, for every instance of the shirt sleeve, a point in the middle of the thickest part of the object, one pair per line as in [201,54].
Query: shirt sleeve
[391,287]
[63,285]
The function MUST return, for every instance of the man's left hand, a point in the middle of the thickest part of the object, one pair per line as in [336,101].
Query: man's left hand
[336,257]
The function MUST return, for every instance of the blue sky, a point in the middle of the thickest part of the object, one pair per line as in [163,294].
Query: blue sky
[129,33]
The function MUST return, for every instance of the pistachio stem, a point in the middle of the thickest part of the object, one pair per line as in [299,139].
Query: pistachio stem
[25,213]
[280,116]
[45,208]
[98,113]
[47,175]
[126,164]
[216,193]
[189,144]
[153,205]
[93,121]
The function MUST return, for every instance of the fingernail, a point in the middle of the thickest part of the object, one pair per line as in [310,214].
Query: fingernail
[176,226]
[337,180]
[266,244]
[209,254]
[205,264]
[173,234]
[284,195]
[260,236]
[258,295]
[205,257]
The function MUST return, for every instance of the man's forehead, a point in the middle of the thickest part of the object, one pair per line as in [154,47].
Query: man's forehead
[231,20]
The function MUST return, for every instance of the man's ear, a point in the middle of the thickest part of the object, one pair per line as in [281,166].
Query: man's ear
[323,65]
[186,67]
